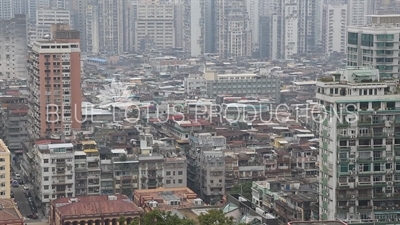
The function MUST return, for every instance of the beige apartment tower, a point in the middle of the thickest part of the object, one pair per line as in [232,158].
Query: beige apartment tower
[5,177]
[55,84]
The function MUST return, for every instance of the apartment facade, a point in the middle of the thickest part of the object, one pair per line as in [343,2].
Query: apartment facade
[376,45]
[45,18]
[206,166]
[54,71]
[234,33]
[15,122]
[13,54]
[242,84]
[6,9]
[333,28]
[53,171]
[358,12]
[5,175]
[154,26]
[88,169]
[358,162]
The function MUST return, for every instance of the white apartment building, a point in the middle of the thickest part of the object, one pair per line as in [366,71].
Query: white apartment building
[234,33]
[376,45]
[334,28]
[154,26]
[358,11]
[193,27]
[291,29]
[5,167]
[359,144]
[196,85]
[310,25]
[92,29]
[253,11]
[13,48]
[6,9]
[46,17]
[53,171]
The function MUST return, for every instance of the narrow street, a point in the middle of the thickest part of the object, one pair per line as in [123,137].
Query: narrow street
[21,201]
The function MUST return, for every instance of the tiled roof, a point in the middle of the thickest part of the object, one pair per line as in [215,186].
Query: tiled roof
[95,205]
[9,212]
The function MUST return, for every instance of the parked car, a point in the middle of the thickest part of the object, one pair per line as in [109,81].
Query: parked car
[26,188]
[15,183]
[32,216]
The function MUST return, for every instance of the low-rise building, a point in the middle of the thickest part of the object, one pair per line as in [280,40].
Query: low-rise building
[91,210]
[9,213]
[166,199]
[53,171]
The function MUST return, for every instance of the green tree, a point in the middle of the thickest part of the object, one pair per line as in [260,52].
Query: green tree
[122,220]
[243,189]
[157,217]
[215,217]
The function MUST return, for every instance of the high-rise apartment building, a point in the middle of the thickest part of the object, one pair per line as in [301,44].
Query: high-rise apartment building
[198,27]
[233,32]
[5,167]
[154,26]
[382,7]
[359,147]
[55,84]
[334,28]
[376,45]
[45,18]
[13,48]
[111,25]
[78,17]
[6,9]
[358,11]
[253,12]
[92,29]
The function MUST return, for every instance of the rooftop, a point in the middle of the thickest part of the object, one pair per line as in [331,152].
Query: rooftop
[317,223]
[95,206]
[9,214]
[3,147]
[164,196]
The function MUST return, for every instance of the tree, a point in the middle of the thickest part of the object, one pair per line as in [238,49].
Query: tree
[122,220]
[243,189]
[215,217]
[157,217]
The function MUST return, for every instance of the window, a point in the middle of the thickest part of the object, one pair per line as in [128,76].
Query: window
[46,187]
[45,161]
[46,178]
[168,181]
[352,38]
[180,172]
[180,181]
[46,169]
[168,173]
[367,40]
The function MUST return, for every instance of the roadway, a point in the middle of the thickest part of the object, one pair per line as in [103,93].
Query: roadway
[22,202]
